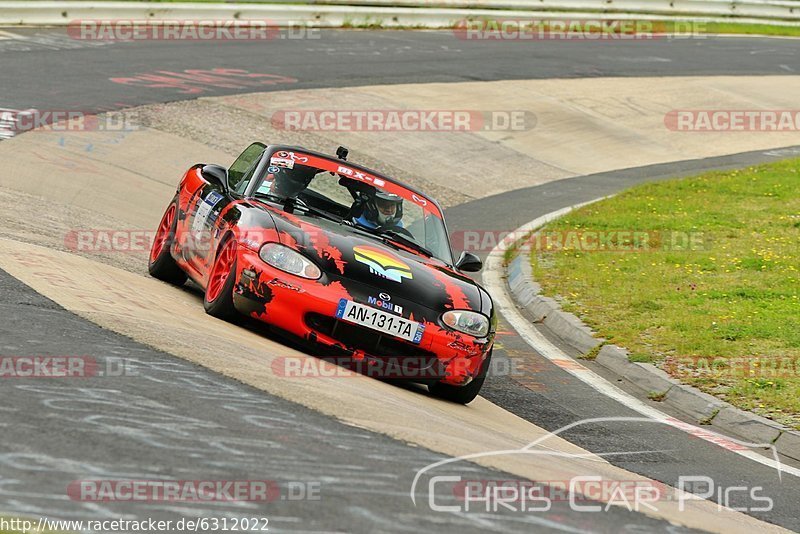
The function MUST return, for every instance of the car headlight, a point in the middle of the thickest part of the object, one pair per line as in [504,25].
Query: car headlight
[470,322]
[289,260]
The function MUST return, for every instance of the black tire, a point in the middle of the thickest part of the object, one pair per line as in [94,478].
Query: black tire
[163,266]
[463,394]
[222,306]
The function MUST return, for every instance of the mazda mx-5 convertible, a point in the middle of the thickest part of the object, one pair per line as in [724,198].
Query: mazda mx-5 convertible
[335,255]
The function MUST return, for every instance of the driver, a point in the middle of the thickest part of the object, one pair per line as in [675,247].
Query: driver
[382,210]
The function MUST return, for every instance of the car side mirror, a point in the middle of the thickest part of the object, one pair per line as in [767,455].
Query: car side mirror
[216,174]
[469,262]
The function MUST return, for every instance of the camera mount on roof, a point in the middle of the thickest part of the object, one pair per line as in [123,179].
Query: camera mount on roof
[342,152]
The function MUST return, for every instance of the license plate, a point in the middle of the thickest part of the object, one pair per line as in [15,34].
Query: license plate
[379,320]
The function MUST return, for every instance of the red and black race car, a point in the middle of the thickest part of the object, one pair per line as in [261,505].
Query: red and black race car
[335,254]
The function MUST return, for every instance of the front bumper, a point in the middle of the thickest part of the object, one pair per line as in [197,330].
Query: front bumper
[307,309]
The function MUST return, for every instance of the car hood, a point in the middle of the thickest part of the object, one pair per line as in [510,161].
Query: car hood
[353,258]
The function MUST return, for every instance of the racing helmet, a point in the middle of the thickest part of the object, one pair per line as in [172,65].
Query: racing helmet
[384,209]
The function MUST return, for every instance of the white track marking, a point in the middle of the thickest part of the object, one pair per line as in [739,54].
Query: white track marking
[494,283]
[5,36]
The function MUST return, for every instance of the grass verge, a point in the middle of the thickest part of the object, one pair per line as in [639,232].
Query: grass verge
[751,29]
[698,275]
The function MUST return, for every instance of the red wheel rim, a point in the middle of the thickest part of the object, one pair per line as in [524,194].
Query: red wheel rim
[222,270]
[163,232]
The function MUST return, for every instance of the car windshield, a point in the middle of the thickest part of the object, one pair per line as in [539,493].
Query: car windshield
[355,197]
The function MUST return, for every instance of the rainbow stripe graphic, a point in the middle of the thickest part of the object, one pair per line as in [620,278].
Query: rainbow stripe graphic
[382,264]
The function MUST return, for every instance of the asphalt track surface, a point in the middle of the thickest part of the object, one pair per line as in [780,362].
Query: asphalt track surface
[44,72]
[217,428]
[167,418]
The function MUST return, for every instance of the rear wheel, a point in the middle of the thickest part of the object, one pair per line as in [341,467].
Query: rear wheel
[218,300]
[161,264]
[463,394]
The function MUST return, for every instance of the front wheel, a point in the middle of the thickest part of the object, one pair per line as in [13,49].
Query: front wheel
[161,264]
[218,300]
[463,394]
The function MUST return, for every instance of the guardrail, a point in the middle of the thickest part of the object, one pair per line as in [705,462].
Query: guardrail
[405,13]
[750,8]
